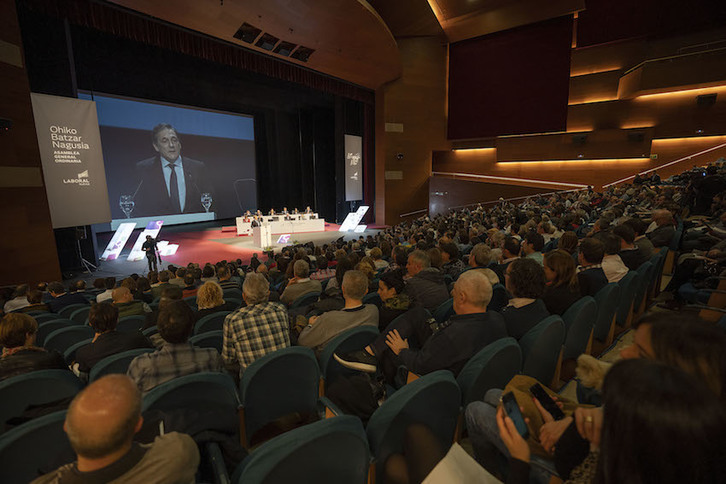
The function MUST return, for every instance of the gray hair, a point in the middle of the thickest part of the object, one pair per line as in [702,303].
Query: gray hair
[355,284]
[301,269]
[256,289]
[475,284]
[421,258]
[482,254]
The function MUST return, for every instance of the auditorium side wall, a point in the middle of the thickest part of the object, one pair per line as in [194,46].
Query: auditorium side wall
[27,247]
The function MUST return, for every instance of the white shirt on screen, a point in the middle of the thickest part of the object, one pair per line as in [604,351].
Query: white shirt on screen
[181,183]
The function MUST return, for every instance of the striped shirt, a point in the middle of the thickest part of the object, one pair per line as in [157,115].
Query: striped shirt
[254,331]
[172,361]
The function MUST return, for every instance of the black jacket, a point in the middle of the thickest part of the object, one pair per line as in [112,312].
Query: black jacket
[591,281]
[633,258]
[662,236]
[108,344]
[451,347]
[520,320]
[427,289]
[30,359]
[559,299]
[58,303]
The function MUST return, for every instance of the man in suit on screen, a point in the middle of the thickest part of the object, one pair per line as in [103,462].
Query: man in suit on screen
[169,183]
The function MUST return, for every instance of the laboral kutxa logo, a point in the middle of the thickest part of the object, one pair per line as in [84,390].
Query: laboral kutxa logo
[81,180]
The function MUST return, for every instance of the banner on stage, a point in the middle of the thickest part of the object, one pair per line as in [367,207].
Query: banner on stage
[72,159]
[353,168]
[353,219]
[153,229]
[118,241]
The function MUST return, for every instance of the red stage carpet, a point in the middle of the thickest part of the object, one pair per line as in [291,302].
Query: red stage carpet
[204,246]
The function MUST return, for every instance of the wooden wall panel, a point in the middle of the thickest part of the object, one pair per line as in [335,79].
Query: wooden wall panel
[601,144]
[553,174]
[671,115]
[602,86]
[415,104]
[28,245]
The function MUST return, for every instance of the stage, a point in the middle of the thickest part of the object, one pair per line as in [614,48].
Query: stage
[207,242]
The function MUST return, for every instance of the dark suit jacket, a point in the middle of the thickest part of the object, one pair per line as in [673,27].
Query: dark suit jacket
[591,281]
[58,303]
[152,197]
[108,344]
[662,236]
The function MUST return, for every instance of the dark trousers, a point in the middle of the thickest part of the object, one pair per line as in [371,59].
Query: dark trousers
[414,326]
[152,262]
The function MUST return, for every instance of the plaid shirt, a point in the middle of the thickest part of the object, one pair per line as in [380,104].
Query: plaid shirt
[254,331]
[172,361]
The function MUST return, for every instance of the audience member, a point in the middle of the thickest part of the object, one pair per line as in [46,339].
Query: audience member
[446,346]
[321,329]
[127,306]
[177,357]
[612,265]
[393,302]
[210,300]
[109,284]
[377,256]
[562,289]
[178,279]
[101,423]
[19,354]
[35,300]
[164,277]
[259,328]
[525,280]
[590,274]
[453,266]
[426,286]
[61,298]
[225,279]
[103,318]
[664,228]
[300,284]
[532,246]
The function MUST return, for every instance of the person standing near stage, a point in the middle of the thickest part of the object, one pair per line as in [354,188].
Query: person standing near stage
[150,248]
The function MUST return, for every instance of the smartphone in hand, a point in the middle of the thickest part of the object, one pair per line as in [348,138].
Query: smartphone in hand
[511,408]
[546,401]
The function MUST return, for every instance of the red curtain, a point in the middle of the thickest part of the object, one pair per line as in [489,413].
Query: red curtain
[511,82]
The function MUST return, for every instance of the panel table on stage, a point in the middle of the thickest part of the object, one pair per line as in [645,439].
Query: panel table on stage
[284,224]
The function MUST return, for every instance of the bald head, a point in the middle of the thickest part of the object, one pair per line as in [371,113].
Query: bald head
[475,288]
[104,417]
[662,217]
[121,295]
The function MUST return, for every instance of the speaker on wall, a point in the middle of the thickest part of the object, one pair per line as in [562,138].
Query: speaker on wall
[706,99]
[579,139]
[636,137]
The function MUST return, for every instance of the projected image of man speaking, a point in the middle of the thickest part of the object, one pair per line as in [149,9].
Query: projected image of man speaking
[169,183]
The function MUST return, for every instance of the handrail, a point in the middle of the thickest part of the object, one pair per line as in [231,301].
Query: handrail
[411,213]
[649,170]
[696,46]
[670,57]
[516,198]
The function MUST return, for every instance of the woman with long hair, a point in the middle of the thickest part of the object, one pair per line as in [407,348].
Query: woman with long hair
[562,289]
[658,424]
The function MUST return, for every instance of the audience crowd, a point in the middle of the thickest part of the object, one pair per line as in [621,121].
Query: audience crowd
[438,289]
